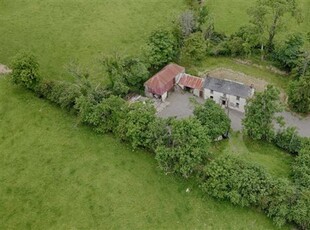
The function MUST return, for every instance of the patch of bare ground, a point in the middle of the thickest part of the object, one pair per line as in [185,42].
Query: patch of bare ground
[4,70]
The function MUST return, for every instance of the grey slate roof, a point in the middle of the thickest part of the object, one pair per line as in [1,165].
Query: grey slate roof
[227,87]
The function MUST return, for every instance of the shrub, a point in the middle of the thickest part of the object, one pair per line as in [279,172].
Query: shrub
[64,94]
[289,140]
[25,70]
[301,167]
[213,117]
[133,127]
[230,178]
[299,95]
[195,47]
[186,147]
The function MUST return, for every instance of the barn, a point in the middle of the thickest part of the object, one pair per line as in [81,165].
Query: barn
[192,84]
[164,81]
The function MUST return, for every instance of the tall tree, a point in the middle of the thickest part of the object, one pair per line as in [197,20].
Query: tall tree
[288,56]
[268,16]
[161,48]
[186,148]
[260,113]
[195,47]
[213,117]
[187,23]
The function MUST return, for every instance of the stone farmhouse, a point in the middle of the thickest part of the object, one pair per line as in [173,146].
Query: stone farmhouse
[227,93]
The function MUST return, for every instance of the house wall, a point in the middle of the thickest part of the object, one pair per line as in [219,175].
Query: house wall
[164,96]
[230,99]
[178,77]
[196,92]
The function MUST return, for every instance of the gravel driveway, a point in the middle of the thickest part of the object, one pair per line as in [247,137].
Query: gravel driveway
[180,106]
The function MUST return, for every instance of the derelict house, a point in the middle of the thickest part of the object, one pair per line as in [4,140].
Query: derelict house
[229,94]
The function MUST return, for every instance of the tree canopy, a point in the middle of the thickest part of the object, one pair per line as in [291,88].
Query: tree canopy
[260,113]
[213,117]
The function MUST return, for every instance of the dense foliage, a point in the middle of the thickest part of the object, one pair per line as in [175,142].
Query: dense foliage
[299,95]
[260,113]
[161,48]
[186,147]
[289,140]
[232,179]
[213,117]
[25,70]
[301,167]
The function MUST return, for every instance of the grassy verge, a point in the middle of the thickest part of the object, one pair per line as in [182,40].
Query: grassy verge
[55,174]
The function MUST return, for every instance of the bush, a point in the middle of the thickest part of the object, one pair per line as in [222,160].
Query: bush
[186,147]
[289,140]
[301,167]
[25,70]
[213,117]
[61,93]
[232,179]
[195,47]
[299,95]
[64,94]
[229,178]
[134,127]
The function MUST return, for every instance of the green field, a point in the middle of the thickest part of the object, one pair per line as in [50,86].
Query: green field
[55,174]
[59,32]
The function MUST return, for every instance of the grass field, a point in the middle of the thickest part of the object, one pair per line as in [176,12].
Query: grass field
[55,174]
[59,32]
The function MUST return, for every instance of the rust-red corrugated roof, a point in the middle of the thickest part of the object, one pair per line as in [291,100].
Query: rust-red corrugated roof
[163,81]
[191,82]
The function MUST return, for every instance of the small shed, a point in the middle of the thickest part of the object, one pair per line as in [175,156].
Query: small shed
[192,83]
[164,81]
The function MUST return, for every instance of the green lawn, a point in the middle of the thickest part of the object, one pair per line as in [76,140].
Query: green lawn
[56,174]
[59,32]
[274,160]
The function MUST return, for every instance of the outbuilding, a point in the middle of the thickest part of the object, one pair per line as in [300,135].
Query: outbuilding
[192,84]
[164,81]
